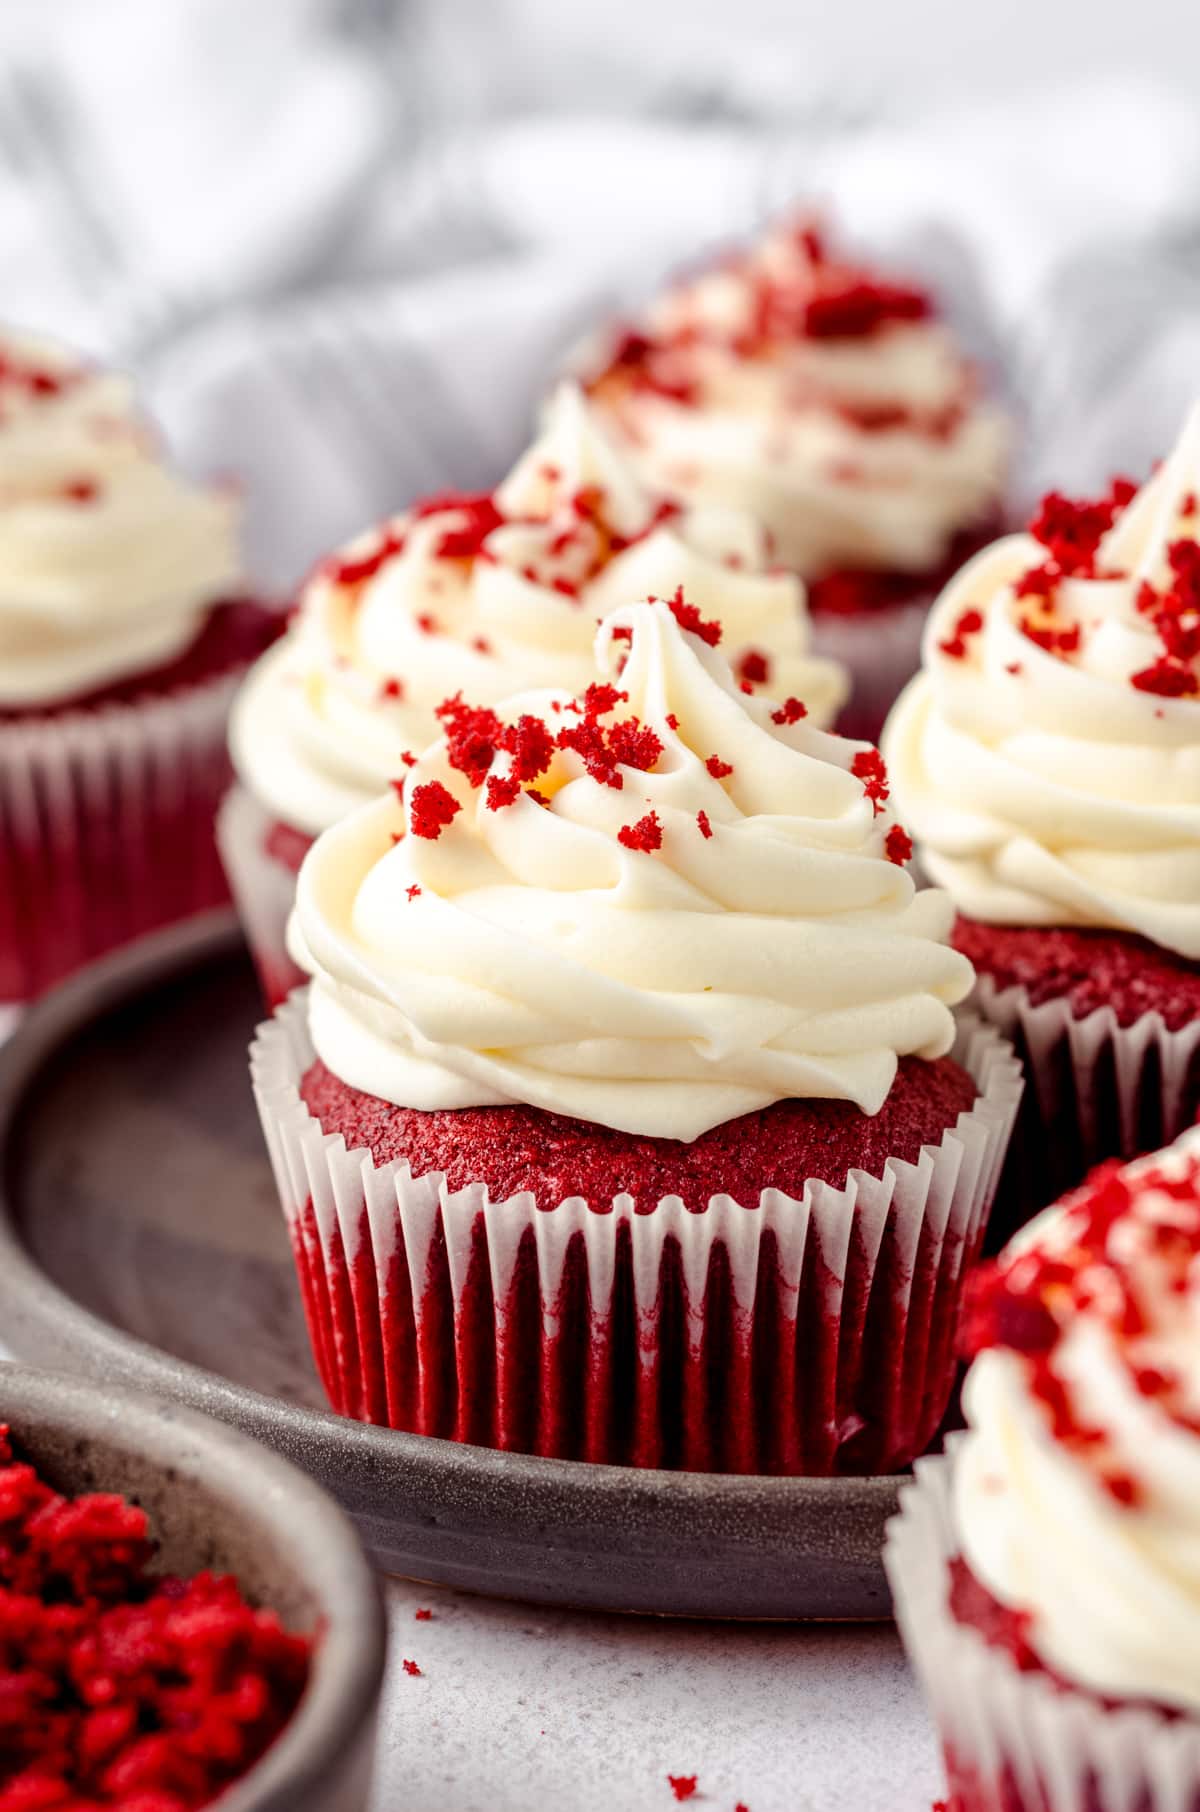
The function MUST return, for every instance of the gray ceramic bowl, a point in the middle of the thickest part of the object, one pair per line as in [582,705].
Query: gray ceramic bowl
[216,1500]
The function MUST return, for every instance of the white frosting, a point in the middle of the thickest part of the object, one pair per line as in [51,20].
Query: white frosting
[1113,1589]
[539,960]
[314,732]
[780,426]
[108,559]
[1045,788]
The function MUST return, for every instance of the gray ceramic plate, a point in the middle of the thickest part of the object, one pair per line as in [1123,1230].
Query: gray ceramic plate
[141,1243]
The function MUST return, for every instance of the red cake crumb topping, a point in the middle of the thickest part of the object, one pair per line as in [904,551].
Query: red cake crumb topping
[789,712]
[1122,1252]
[645,835]
[861,307]
[705,827]
[81,490]
[410,1667]
[518,1148]
[753,668]
[1071,532]
[1088,969]
[35,380]
[356,569]
[430,809]
[119,1689]
[688,617]
[718,768]
[391,689]
[1174,615]
[969,623]
[868,766]
[683,1786]
[423,1615]
[898,846]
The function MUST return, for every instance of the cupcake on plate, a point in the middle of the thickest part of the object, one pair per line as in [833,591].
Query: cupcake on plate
[830,402]
[1048,762]
[122,634]
[1046,1573]
[484,596]
[627,1117]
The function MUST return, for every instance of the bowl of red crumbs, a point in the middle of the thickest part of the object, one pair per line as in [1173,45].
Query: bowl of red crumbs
[185,1619]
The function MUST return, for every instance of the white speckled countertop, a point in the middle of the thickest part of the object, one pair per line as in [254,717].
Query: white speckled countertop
[518,1708]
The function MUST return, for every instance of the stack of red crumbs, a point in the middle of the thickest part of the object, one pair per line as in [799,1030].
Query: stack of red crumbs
[119,1689]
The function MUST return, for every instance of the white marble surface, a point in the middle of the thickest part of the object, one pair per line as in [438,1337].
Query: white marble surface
[519,1708]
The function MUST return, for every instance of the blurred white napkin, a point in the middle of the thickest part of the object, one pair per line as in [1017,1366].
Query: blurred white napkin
[346,275]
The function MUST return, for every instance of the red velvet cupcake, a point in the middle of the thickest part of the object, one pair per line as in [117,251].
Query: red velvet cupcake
[626,1118]
[1048,761]
[485,596]
[122,637]
[1045,1573]
[827,400]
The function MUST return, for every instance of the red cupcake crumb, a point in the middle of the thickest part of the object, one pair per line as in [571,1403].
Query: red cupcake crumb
[117,1688]
[645,835]
[683,1786]
[423,1615]
[411,1667]
[431,809]
[553,1156]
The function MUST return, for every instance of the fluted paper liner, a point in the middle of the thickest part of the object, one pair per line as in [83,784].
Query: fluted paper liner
[106,827]
[263,889]
[1095,1090]
[1018,1740]
[797,1335]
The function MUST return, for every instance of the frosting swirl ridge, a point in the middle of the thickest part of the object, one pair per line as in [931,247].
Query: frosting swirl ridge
[1048,757]
[109,560]
[655,907]
[492,594]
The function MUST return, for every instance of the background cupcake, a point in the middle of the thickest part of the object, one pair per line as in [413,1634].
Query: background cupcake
[829,402]
[485,596]
[620,1121]
[1046,1576]
[1048,762]
[121,639]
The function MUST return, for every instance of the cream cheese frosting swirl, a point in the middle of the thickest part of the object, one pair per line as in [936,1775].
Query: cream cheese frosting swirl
[1077,1486]
[109,560]
[825,402]
[1048,757]
[656,907]
[490,595]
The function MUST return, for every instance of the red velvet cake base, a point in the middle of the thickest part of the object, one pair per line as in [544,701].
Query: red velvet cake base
[753,1374]
[855,591]
[1090,1097]
[107,807]
[234,634]
[1088,969]
[511,1149]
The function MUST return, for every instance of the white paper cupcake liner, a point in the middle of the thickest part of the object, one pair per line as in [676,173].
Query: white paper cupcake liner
[1018,1742]
[106,828]
[811,1334]
[263,889]
[881,649]
[1096,1090]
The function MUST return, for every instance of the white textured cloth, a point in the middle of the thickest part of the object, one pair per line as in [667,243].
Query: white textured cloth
[345,255]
